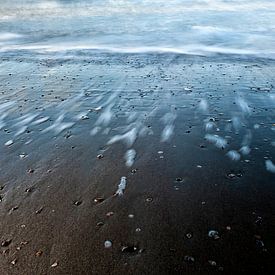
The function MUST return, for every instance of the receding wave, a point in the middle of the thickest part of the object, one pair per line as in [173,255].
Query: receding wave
[197,49]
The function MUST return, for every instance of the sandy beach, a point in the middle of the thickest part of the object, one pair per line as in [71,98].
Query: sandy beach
[137,164]
[137,137]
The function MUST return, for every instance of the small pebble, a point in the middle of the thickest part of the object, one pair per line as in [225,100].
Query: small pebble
[54,264]
[107,244]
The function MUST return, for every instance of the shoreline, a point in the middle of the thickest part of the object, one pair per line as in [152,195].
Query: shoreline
[181,185]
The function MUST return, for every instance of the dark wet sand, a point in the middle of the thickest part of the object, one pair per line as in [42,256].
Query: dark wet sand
[49,212]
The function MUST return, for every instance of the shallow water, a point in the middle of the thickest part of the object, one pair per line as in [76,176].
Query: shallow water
[190,27]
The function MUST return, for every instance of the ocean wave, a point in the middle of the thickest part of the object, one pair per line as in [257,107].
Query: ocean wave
[200,50]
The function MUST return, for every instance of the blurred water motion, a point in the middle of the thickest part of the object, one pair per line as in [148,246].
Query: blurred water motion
[188,27]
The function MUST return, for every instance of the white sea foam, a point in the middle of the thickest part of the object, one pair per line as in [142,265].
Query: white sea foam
[243,105]
[21,131]
[105,117]
[2,123]
[95,130]
[131,117]
[270,166]
[144,131]
[5,106]
[167,133]
[203,105]
[129,138]
[58,126]
[245,150]
[236,122]
[218,141]
[121,186]
[26,119]
[233,155]
[210,125]
[40,120]
[130,157]
[4,36]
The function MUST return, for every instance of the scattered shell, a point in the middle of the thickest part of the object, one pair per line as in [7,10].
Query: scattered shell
[149,199]
[77,203]
[30,171]
[39,210]
[29,190]
[6,243]
[22,156]
[233,175]
[54,264]
[131,216]
[14,208]
[133,171]
[38,253]
[84,117]
[9,142]
[213,263]
[213,234]
[189,235]
[100,156]
[107,244]
[129,249]
[189,259]
[100,224]
[109,214]
[99,200]
[138,229]
[260,245]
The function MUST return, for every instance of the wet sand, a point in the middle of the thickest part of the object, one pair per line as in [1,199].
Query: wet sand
[201,135]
